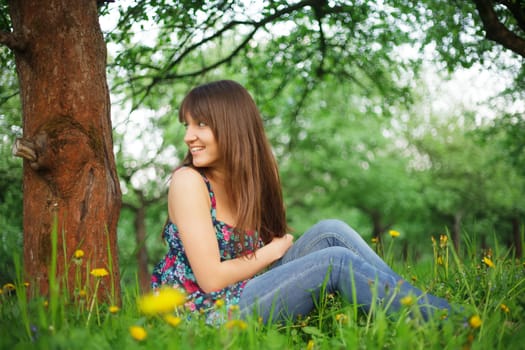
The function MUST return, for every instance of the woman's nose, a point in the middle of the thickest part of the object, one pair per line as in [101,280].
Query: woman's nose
[189,135]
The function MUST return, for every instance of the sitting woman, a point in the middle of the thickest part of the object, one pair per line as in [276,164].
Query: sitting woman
[227,232]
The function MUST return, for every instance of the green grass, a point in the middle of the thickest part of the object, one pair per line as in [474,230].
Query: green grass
[85,323]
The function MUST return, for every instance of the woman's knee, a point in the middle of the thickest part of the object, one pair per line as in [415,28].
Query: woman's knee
[337,229]
[332,225]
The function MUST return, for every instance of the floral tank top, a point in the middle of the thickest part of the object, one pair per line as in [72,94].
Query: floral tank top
[175,269]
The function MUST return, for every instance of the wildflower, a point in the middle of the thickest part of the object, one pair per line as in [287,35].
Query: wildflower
[488,262]
[163,302]
[114,309]
[342,318]
[407,300]
[310,344]
[240,324]
[475,321]
[393,233]
[375,240]
[79,254]
[234,308]
[173,321]
[504,308]
[138,333]
[102,272]
[9,287]
[443,241]
[82,293]
[219,303]
[26,284]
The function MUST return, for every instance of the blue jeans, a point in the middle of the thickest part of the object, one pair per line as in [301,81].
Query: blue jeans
[332,257]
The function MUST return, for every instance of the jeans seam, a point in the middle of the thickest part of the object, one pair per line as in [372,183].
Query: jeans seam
[331,234]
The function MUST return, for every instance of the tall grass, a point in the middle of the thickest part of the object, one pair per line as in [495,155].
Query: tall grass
[488,285]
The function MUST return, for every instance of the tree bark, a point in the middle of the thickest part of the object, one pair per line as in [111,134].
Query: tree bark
[69,166]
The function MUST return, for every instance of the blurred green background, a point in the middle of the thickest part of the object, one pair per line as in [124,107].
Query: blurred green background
[390,114]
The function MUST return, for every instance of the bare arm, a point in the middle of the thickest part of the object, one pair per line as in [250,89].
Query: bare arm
[189,209]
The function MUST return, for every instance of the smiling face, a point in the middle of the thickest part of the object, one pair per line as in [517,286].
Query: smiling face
[202,144]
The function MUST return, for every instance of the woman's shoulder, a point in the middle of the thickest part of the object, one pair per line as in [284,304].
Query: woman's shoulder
[186,174]
[187,179]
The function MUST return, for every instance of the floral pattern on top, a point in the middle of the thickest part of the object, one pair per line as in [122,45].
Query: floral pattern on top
[175,270]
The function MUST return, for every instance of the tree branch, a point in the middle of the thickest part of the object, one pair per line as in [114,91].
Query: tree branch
[14,41]
[496,31]
[517,8]
[167,77]
[163,74]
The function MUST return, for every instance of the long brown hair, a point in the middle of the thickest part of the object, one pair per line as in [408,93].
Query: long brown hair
[252,177]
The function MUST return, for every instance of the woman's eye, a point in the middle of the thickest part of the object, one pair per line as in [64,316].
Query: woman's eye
[202,124]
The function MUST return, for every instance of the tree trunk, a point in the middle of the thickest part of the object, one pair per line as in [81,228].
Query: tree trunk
[69,166]
[378,229]
[142,252]
[516,235]
[456,231]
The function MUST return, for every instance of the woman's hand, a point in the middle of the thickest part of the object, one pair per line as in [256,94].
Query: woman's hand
[280,245]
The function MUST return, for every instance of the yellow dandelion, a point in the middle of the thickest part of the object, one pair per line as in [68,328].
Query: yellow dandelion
[173,321]
[342,318]
[475,321]
[393,233]
[407,300]
[443,241]
[504,308]
[82,293]
[161,302]
[310,345]
[234,308]
[138,333]
[239,324]
[375,240]
[78,254]
[219,303]
[9,287]
[101,272]
[488,262]
[114,309]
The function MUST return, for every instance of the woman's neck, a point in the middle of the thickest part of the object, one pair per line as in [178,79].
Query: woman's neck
[216,175]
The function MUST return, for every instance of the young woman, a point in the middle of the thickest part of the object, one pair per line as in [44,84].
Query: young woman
[227,232]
